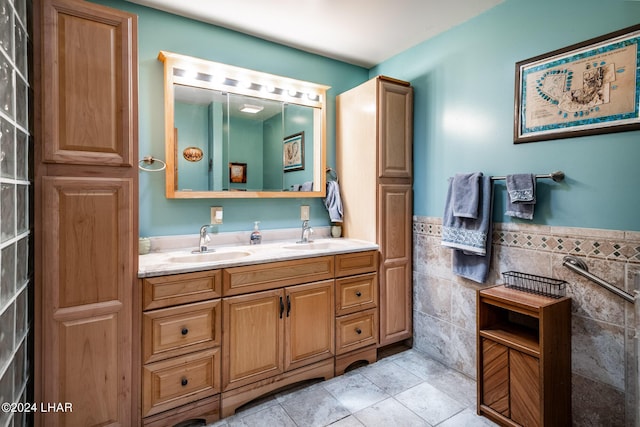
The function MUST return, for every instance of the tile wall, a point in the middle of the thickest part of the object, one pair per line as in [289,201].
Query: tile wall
[15,220]
[604,350]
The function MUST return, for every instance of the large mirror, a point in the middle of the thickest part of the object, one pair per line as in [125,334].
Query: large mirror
[232,132]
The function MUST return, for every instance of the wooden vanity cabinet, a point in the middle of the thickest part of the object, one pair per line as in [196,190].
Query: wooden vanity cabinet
[277,336]
[356,309]
[216,340]
[524,358]
[181,338]
[271,332]
[374,124]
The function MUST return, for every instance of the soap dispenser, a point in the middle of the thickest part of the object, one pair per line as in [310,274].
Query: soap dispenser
[256,237]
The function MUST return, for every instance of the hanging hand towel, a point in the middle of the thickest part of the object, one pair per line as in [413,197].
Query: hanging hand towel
[521,198]
[333,201]
[466,194]
[470,239]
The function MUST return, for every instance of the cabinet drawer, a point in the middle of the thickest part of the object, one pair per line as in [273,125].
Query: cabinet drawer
[356,263]
[356,331]
[179,330]
[207,410]
[356,293]
[166,291]
[261,277]
[181,380]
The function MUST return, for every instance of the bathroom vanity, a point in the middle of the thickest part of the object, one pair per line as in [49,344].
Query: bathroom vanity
[220,333]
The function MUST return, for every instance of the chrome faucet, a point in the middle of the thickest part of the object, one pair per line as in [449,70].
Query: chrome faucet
[204,239]
[306,233]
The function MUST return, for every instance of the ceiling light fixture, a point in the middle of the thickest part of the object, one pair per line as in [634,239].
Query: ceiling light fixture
[252,109]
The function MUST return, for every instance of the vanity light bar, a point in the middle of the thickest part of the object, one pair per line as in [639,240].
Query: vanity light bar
[293,93]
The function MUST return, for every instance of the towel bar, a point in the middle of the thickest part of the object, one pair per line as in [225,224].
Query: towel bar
[557,176]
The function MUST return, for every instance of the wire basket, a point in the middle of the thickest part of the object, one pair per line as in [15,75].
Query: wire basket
[531,283]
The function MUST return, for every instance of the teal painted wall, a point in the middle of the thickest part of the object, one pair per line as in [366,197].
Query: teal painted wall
[463,121]
[163,31]
[464,89]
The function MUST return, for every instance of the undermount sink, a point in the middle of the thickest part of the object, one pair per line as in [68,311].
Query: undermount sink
[210,256]
[315,246]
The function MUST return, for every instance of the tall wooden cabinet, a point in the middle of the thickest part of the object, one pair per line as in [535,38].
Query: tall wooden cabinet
[374,138]
[86,226]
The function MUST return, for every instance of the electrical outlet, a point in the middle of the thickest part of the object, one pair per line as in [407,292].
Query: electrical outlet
[216,215]
[304,213]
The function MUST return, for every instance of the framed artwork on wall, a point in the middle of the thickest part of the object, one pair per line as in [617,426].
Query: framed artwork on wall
[293,152]
[588,88]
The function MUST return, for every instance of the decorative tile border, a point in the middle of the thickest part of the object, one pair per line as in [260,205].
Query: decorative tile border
[593,243]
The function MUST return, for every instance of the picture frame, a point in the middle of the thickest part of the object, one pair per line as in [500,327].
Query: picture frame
[238,173]
[293,152]
[583,89]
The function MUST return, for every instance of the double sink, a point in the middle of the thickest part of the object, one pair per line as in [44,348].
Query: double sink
[157,263]
[224,255]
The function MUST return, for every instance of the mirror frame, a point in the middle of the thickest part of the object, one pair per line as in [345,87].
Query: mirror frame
[236,74]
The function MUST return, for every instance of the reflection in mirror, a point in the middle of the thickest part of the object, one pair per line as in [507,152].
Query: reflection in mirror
[272,139]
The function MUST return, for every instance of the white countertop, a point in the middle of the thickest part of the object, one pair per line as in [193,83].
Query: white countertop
[183,261]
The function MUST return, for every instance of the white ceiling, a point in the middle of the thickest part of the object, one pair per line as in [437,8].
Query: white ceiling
[360,32]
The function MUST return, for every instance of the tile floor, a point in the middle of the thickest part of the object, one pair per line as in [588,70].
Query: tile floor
[405,389]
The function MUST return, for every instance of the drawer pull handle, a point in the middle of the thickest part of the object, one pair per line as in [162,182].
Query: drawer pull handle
[358,331]
[184,382]
[358,293]
[184,331]
[281,307]
[288,305]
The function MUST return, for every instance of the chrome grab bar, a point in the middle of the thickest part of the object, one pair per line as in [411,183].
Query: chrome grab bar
[579,266]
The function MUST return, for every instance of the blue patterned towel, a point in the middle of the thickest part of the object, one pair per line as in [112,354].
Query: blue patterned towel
[521,199]
[470,239]
[468,234]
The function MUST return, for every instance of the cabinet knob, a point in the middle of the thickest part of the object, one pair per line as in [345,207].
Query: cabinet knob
[184,382]
[358,331]
[358,293]
[185,331]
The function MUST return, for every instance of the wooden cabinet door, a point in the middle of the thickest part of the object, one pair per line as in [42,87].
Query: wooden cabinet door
[86,217]
[395,132]
[253,339]
[524,378]
[495,376]
[395,207]
[309,324]
[86,309]
[90,94]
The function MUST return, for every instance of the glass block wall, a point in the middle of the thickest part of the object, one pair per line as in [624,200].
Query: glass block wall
[15,200]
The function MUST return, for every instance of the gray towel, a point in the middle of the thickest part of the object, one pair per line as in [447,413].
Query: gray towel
[470,238]
[307,186]
[521,199]
[333,201]
[466,194]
